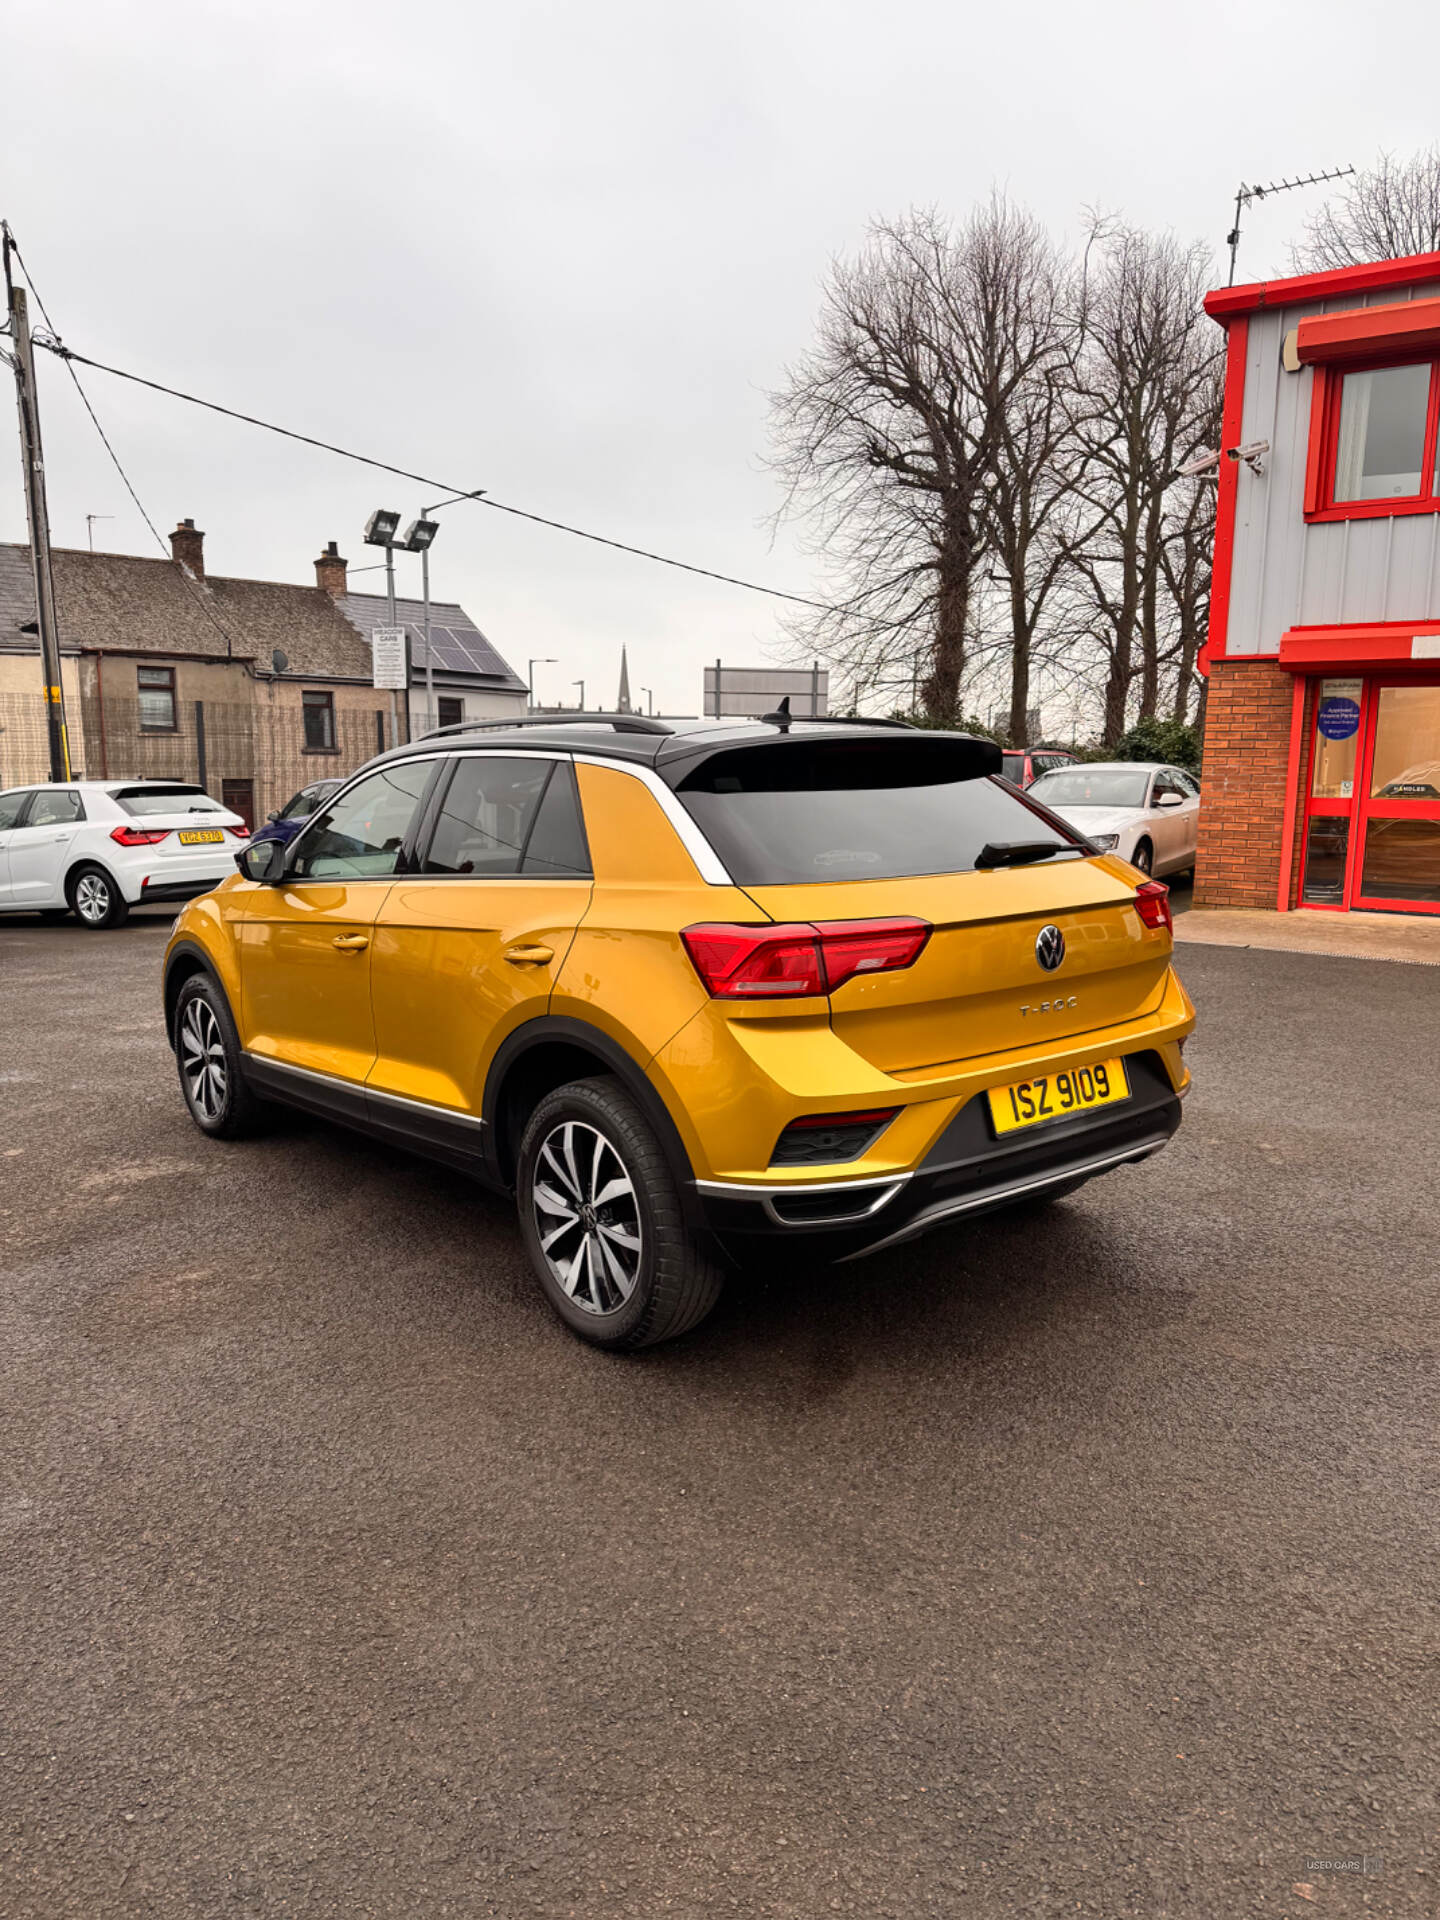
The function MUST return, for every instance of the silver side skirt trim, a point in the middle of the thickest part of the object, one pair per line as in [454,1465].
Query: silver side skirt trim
[992,1196]
[283,1067]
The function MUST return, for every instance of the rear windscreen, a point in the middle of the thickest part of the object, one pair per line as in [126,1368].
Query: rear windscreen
[856,810]
[152,800]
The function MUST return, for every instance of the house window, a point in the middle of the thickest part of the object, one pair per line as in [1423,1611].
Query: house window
[156,687]
[452,712]
[319,711]
[1375,453]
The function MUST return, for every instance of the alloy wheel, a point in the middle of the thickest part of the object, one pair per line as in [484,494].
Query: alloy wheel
[587,1217]
[1143,859]
[92,897]
[202,1060]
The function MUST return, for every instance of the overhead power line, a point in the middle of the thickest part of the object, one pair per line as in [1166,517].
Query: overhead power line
[56,346]
[201,599]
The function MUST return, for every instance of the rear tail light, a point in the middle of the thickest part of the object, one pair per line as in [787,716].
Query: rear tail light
[240,833]
[1152,903]
[786,961]
[137,837]
[817,1139]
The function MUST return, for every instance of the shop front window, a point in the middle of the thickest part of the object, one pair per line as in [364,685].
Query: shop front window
[1407,745]
[1327,843]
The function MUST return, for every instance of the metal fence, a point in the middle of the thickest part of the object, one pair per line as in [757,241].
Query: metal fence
[245,745]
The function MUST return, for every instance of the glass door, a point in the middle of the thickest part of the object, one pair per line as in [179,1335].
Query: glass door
[1335,739]
[1398,825]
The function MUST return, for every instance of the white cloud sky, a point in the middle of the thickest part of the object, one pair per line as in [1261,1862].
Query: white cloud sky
[562,251]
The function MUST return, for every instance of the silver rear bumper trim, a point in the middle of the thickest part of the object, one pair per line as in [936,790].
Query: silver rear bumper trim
[998,1196]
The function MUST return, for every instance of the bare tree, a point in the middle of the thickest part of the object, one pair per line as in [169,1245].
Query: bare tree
[1145,399]
[892,440]
[1382,213]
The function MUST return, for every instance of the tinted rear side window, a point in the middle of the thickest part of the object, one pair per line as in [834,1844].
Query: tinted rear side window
[854,811]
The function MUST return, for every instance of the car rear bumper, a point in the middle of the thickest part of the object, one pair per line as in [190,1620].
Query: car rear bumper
[968,1171]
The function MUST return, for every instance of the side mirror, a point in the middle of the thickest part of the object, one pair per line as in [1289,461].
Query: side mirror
[272,816]
[262,861]
[1170,800]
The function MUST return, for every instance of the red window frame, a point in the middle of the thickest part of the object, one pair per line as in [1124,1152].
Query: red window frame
[1320,501]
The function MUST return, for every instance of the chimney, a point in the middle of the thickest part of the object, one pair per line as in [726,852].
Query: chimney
[330,572]
[187,548]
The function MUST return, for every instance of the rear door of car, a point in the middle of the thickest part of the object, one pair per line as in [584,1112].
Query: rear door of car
[40,850]
[468,946]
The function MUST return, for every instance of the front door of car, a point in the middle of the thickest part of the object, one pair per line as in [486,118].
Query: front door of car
[305,942]
[468,946]
[1171,822]
[13,807]
[40,850]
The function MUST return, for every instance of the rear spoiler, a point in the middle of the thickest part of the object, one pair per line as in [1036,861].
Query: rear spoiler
[803,758]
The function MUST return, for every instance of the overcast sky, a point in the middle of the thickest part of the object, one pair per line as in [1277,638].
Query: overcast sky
[562,251]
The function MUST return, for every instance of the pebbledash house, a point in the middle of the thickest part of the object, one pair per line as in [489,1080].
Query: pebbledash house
[1322,734]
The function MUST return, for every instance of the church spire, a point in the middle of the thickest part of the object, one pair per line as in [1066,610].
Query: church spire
[622,700]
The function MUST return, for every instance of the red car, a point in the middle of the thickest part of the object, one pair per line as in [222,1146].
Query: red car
[1022,765]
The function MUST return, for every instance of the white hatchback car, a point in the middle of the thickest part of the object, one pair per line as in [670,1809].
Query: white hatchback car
[96,848]
[1147,813]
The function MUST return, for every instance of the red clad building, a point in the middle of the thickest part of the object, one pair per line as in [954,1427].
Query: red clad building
[1322,736]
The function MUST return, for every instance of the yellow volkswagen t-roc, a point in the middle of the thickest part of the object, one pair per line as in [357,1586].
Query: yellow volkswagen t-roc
[683,991]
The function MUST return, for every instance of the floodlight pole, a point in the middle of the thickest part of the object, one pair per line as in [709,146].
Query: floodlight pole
[390,622]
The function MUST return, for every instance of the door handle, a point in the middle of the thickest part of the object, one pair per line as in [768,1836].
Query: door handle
[530,956]
[351,942]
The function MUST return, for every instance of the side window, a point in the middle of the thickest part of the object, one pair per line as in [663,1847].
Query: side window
[1166,782]
[1189,785]
[56,809]
[487,815]
[359,837]
[12,805]
[557,849]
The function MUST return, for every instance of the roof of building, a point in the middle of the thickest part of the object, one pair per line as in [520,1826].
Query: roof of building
[457,643]
[1335,283]
[128,604]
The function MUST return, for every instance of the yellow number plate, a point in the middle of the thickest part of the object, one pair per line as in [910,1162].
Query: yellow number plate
[1055,1096]
[201,836]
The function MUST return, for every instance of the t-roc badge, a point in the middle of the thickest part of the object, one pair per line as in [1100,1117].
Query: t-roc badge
[1050,948]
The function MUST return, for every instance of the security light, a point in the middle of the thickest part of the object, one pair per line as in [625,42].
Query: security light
[380,528]
[419,534]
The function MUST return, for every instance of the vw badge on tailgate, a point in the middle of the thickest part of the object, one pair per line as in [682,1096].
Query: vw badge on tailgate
[1050,948]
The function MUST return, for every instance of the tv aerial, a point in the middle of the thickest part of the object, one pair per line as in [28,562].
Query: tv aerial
[1244,195]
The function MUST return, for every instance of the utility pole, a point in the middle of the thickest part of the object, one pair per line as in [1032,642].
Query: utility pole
[22,360]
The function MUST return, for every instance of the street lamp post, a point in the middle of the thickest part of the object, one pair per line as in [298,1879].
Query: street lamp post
[428,528]
[649,693]
[547,660]
[581,685]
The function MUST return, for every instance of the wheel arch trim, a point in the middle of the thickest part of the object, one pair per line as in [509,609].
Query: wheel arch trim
[562,1030]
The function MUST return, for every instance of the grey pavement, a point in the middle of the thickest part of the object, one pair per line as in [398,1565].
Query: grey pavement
[1072,1563]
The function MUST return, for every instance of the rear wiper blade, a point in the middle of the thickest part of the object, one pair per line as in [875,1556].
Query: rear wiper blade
[1019,853]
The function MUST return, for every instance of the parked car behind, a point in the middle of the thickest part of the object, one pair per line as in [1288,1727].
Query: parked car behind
[686,993]
[284,825]
[96,848]
[1024,767]
[1147,813]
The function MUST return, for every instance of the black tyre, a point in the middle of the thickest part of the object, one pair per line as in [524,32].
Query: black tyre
[1143,857]
[602,1221]
[207,1056]
[95,900]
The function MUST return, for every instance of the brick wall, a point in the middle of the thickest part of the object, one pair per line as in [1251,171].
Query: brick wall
[1242,815]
